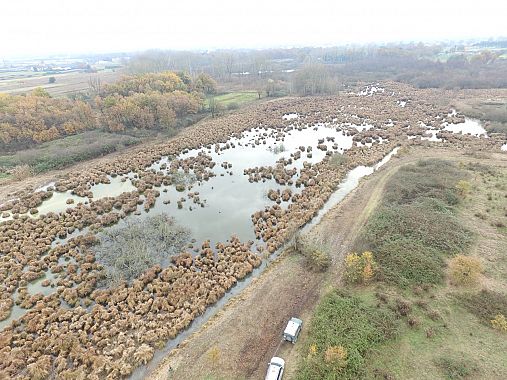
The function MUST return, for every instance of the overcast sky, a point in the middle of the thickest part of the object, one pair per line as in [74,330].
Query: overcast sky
[41,27]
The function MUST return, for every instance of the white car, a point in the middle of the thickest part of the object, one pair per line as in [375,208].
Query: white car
[275,368]
[292,330]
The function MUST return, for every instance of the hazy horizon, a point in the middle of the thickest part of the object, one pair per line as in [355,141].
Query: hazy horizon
[56,27]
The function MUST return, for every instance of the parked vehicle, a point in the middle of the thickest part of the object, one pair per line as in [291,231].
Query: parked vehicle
[292,330]
[275,368]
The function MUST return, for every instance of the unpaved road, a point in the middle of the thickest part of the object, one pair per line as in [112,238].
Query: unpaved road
[247,332]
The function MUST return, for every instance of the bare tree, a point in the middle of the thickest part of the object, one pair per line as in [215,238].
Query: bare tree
[94,85]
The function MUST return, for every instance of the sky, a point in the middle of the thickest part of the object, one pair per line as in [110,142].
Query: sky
[40,28]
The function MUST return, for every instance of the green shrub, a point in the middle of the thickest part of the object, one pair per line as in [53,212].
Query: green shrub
[342,320]
[426,179]
[415,227]
[405,262]
[432,228]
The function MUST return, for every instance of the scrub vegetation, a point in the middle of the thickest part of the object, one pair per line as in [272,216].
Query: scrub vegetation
[426,312]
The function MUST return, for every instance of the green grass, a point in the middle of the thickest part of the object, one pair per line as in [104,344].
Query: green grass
[60,153]
[238,98]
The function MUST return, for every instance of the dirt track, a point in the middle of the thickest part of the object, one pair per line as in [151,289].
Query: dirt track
[247,331]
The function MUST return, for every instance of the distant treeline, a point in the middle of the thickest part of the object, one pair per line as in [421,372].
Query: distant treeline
[147,101]
[307,71]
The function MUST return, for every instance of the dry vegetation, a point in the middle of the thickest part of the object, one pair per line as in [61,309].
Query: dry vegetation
[110,331]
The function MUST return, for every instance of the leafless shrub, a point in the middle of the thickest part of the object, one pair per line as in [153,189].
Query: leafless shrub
[128,250]
[21,172]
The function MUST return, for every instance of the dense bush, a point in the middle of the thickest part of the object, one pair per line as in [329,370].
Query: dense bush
[343,331]
[36,118]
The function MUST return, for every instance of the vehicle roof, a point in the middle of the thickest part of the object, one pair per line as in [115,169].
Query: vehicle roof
[275,366]
[273,371]
[292,327]
[277,360]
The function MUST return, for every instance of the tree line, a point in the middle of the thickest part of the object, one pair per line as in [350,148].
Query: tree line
[145,101]
[318,70]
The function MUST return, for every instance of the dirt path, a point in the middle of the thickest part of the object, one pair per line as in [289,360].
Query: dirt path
[247,332]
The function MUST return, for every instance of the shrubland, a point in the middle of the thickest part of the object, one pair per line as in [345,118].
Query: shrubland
[424,294]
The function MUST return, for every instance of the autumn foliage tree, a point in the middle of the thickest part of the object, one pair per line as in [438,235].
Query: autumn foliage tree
[147,101]
[465,270]
[359,268]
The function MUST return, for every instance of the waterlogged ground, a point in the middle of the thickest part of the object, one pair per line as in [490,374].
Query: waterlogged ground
[229,198]
[225,184]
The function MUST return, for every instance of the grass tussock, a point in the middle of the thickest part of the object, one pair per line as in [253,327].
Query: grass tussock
[316,254]
[485,305]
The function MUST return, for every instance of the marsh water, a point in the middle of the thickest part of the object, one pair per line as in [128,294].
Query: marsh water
[229,198]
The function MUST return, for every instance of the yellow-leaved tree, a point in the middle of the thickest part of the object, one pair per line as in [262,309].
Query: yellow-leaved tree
[336,356]
[465,270]
[360,268]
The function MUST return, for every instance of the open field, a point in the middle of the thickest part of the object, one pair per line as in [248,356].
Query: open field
[237,99]
[65,84]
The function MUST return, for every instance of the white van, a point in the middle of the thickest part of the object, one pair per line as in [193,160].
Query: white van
[275,368]
[292,330]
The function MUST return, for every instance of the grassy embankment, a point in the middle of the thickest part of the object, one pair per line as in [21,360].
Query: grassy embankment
[413,320]
[61,153]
